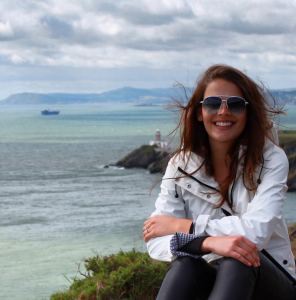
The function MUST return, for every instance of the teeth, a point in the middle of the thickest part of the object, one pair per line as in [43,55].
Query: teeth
[223,123]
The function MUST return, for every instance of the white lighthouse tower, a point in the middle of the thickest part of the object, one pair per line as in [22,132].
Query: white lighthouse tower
[161,145]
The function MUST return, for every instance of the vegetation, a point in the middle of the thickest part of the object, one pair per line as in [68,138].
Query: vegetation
[292,233]
[147,149]
[287,138]
[127,275]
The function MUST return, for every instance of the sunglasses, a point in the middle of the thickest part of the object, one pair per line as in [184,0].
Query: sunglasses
[236,105]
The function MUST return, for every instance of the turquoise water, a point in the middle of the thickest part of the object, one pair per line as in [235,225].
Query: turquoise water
[290,122]
[59,204]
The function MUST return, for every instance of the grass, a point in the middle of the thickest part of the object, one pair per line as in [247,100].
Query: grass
[147,149]
[129,275]
[292,233]
[287,137]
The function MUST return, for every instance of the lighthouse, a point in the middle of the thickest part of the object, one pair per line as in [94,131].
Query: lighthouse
[157,135]
[160,145]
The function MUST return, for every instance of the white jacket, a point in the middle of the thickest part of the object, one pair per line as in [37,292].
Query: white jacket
[258,217]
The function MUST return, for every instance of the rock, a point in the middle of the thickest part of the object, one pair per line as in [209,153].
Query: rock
[160,165]
[146,158]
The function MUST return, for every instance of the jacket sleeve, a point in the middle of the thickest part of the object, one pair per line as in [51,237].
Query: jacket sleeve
[263,212]
[166,204]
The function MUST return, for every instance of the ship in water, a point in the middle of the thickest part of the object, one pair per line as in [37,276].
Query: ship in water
[47,112]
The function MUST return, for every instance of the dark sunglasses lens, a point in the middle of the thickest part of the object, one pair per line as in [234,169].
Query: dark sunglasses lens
[236,105]
[212,104]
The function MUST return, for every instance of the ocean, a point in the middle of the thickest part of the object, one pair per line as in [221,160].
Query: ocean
[60,203]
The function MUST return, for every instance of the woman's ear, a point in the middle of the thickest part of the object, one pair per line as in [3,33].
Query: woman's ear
[199,115]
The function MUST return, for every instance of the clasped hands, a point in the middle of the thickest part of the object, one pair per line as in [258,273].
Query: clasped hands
[237,247]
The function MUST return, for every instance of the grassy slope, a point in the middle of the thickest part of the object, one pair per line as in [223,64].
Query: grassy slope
[287,138]
[126,276]
[292,232]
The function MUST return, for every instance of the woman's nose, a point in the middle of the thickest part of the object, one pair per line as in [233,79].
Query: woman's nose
[223,109]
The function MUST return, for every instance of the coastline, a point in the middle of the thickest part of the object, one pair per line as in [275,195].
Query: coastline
[147,157]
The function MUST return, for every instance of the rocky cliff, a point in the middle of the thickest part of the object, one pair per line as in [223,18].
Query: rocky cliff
[146,157]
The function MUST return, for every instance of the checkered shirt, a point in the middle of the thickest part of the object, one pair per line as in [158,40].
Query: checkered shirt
[179,240]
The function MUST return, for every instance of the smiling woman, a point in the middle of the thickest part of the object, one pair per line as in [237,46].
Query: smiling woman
[222,196]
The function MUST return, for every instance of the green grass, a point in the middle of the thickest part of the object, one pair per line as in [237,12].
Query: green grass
[287,137]
[127,275]
[147,149]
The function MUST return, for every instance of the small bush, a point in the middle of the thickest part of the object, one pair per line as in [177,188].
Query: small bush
[127,275]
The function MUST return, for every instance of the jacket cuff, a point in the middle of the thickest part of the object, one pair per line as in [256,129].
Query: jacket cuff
[180,240]
[194,246]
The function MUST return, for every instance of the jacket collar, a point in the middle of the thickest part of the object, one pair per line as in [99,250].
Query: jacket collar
[198,183]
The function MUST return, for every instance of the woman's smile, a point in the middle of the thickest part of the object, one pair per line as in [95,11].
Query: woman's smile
[223,124]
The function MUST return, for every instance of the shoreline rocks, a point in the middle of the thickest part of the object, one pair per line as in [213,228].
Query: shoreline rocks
[146,158]
[156,162]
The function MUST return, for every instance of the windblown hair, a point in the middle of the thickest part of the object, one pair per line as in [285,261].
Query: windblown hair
[261,111]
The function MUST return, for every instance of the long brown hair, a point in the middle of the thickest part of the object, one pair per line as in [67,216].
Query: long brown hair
[261,110]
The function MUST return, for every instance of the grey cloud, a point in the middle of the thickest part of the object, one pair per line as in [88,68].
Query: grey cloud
[178,37]
[47,33]
[265,27]
[138,14]
[58,28]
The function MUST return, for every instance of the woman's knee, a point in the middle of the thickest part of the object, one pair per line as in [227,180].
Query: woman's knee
[188,278]
[190,267]
[237,268]
[234,280]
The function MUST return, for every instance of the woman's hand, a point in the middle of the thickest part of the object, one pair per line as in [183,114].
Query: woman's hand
[236,246]
[164,225]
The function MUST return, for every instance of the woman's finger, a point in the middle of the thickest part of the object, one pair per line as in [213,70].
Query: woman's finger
[146,223]
[147,236]
[252,246]
[240,258]
[246,257]
[249,251]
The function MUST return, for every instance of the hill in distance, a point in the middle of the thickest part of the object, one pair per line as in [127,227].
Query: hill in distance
[123,95]
[131,95]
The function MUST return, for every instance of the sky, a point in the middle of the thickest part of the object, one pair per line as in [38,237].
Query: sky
[91,46]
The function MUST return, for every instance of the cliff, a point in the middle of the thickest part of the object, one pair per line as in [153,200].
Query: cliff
[147,158]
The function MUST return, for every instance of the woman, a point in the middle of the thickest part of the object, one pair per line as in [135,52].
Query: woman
[222,196]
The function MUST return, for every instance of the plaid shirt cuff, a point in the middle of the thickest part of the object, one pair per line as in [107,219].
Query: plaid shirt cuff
[179,240]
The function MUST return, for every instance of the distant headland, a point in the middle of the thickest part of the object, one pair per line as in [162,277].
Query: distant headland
[139,97]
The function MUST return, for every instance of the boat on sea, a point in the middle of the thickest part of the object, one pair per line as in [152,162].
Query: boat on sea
[50,112]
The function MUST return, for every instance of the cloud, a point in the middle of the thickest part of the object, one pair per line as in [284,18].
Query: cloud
[6,31]
[16,59]
[160,35]
[57,28]
[145,13]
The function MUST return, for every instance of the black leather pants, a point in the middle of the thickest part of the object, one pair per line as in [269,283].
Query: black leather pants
[195,279]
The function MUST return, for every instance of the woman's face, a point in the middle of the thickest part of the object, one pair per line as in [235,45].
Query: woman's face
[223,127]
